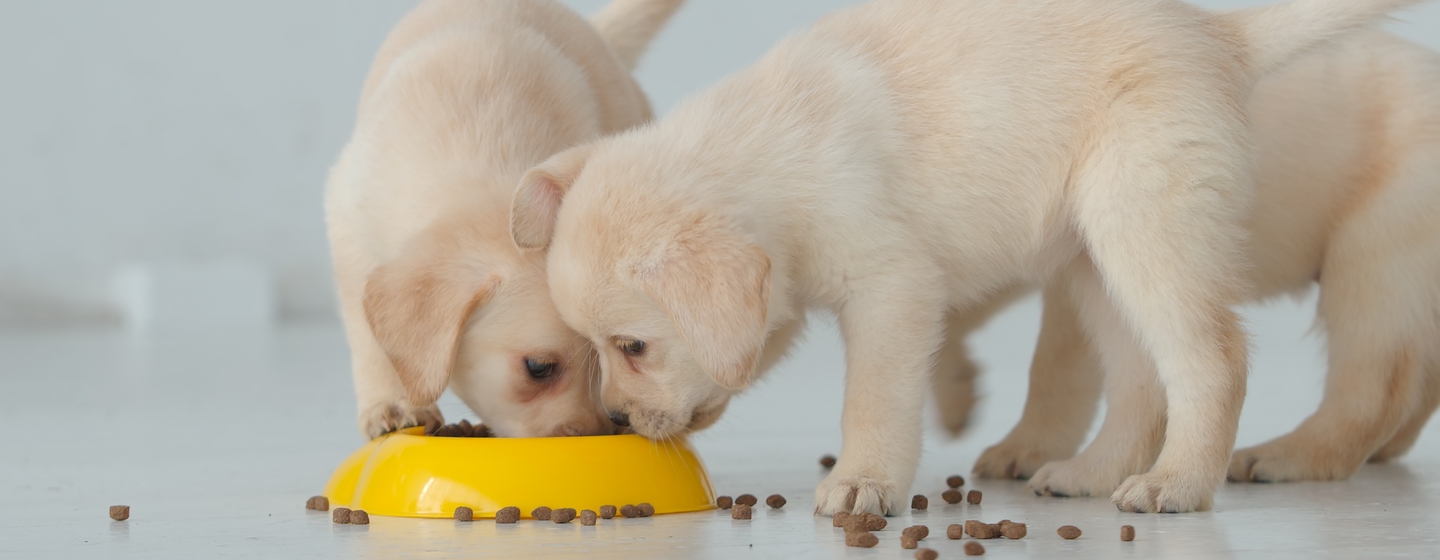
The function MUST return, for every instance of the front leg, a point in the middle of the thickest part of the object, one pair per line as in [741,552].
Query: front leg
[891,336]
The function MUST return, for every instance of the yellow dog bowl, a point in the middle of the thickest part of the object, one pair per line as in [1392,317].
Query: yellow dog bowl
[409,474]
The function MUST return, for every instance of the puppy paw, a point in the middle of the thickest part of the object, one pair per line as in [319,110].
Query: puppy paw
[1162,492]
[856,494]
[1285,460]
[380,419]
[1075,477]
[1014,460]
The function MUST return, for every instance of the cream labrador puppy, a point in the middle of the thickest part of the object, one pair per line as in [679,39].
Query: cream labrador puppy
[1347,196]
[463,97]
[908,157]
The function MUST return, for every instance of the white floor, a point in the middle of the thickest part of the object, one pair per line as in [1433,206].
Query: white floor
[216,439]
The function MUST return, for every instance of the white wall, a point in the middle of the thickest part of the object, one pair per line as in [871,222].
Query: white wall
[167,133]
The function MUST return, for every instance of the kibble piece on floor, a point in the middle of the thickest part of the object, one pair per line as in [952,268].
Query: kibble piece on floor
[981,529]
[926,554]
[952,496]
[919,502]
[973,548]
[507,514]
[646,510]
[587,517]
[562,516]
[1012,530]
[119,513]
[955,532]
[917,532]
[740,511]
[1127,533]
[874,522]
[827,461]
[908,542]
[955,481]
[973,497]
[839,519]
[724,502]
[861,540]
[359,517]
[607,512]
[629,510]
[541,513]
[463,513]
[321,503]
[1069,532]
[747,499]
[340,515]
[775,501]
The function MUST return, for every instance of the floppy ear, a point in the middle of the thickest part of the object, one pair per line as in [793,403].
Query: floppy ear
[537,201]
[417,306]
[716,292]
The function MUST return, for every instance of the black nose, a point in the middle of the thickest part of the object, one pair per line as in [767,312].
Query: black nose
[620,418]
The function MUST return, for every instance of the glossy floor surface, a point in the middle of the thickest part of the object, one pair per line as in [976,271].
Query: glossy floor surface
[216,439]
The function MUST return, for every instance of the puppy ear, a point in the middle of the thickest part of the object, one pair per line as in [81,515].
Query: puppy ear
[537,202]
[417,306]
[716,290]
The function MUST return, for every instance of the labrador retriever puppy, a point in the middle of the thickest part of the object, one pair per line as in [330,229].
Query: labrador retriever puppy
[1347,192]
[904,158]
[463,97]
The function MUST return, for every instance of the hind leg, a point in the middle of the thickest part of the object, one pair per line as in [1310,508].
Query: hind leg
[953,380]
[1405,437]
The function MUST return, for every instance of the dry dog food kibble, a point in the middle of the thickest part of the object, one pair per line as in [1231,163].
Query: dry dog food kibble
[919,502]
[1127,533]
[562,516]
[973,548]
[1012,530]
[926,554]
[340,515]
[917,532]
[507,514]
[541,513]
[981,529]
[740,511]
[359,517]
[629,510]
[955,481]
[827,461]
[587,517]
[646,510]
[464,429]
[463,513]
[1069,532]
[747,499]
[775,501]
[908,543]
[973,497]
[955,532]
[119,513]
[839,519]
[861,540]
[874,522]
[318,503]
[724,502]
[607,512]
[952,496]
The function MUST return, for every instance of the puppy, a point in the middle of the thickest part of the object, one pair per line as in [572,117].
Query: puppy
[908,157]
[462,99]
[1347,188]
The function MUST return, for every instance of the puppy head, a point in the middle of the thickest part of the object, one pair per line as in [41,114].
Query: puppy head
[457,309]
[673,298]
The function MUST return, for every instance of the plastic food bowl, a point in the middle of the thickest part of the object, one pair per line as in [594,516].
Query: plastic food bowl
[409,474]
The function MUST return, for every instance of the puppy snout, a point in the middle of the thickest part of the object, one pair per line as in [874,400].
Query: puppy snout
[620,418]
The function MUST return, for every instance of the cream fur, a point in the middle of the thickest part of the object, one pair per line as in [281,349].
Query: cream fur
[462,99]
[1348,186]
[907,157]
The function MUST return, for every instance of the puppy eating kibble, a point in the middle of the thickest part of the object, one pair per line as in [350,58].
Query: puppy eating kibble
[902,159]
[462,97]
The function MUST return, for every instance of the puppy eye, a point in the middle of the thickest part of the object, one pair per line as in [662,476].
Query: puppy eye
[632,347]
[539,368]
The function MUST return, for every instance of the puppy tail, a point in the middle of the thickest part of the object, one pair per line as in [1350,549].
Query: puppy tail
[1276,34]
[629,26]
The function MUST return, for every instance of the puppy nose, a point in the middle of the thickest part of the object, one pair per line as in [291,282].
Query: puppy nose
[620,418]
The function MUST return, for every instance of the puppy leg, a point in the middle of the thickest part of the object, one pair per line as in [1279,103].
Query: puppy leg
[1064,392]
[1405,437]
[1134,427]
[891,333]
[954,378]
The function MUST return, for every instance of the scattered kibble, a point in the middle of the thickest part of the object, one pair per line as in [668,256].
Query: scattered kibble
[1012,530]
[827,461]
[359,517]
[747,499]
[646,510]
[926,554]
[1127,533]
[874,522]
[973,497]
[507,514]
[562,516]
[607,512]
[740,511]
[839,519]
[955,532]
[861,539]
[318,503]
[340,515]
[541,513]
[775,501]
[973,548]
[462,429]
[917,532]
[724,502]
[952,496]
[955,481]
[1069,532]
[119,513]
[463,513]
[981,529]
[629,510]
[587,517]
[919,502]
[908,543]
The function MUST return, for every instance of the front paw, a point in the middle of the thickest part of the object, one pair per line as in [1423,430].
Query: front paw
[1289,459]
[1162,492]
[1015,460]
[1076,477]
[383,418]
[857,494]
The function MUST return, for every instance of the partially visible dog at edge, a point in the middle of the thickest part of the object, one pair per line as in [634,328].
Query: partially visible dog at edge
[462,98]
